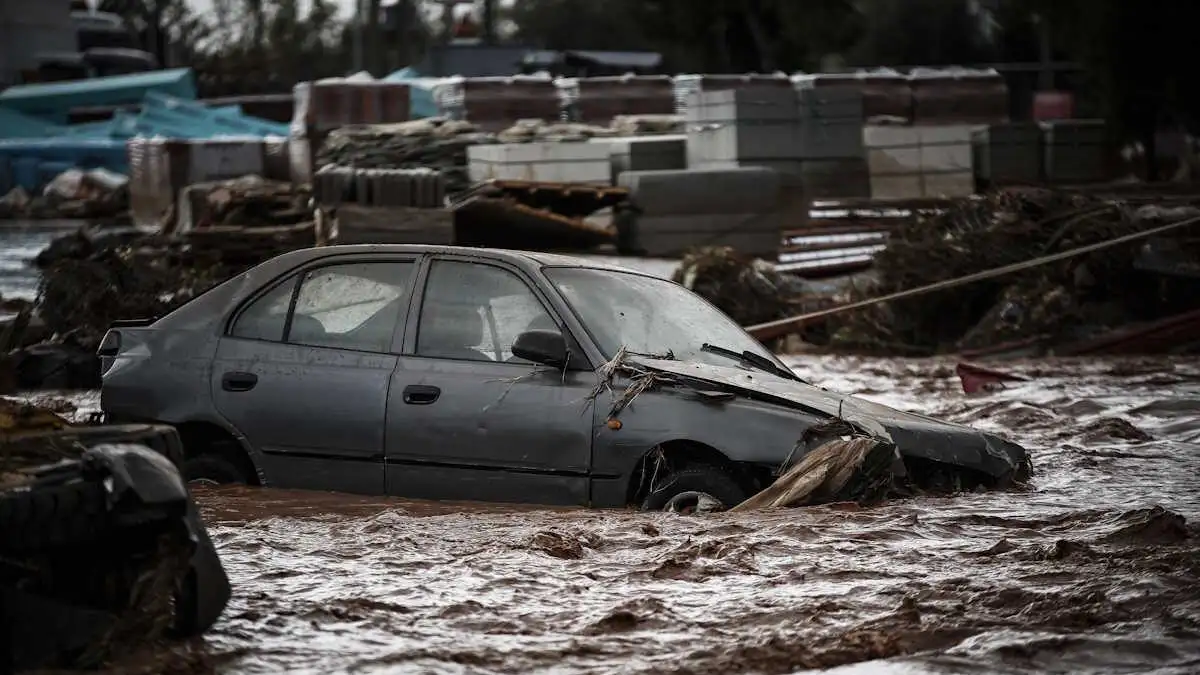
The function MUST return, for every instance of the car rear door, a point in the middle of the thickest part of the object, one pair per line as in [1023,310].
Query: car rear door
[467,420]
[303,371]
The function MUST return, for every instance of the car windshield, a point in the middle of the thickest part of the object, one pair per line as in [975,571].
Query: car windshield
[649,316]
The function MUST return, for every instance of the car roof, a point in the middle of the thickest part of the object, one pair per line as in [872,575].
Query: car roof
[526,258]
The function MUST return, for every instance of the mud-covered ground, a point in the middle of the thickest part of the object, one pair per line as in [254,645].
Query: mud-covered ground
[1096,570]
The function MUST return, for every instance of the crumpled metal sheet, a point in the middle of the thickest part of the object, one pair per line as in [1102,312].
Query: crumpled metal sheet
[913,435]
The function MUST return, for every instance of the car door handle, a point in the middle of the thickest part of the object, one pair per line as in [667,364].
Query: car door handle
[238,381]
[421,394]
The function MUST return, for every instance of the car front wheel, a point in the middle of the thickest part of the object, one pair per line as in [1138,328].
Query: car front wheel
[696,488]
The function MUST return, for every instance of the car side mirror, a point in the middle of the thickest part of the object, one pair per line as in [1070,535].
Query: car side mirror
[547,347]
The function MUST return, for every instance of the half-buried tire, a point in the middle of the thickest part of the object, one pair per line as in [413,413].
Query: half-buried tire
[77,536]
[698,482]
[112,486]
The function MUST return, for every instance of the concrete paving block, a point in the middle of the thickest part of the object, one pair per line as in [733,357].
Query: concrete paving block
[758,234]
[550,162]
[949,184]
[699,191]
[1008,153]
[897,186]
[946,147]
[741,105]
[836,178]
[830,139]
[647,153]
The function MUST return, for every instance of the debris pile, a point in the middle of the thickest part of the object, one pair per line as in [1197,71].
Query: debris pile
[250,202]
[112,278]
[437,143]
[1051,304]
[100,274]
[441,143]
[96,560]
[747,289]
[93,194]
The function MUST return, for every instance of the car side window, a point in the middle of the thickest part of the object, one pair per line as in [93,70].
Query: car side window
[353,306]
[475,312]
[266,317]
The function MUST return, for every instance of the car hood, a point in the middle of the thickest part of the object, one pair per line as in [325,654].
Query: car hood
[913,435]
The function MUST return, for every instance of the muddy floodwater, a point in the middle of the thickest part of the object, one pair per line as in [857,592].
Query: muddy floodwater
[1096,569]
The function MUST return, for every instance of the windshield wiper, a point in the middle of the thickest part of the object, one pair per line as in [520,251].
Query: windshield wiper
[748,357]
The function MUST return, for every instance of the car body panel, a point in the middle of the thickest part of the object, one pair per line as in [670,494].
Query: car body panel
[316,415]
[743,430]
[521,424]
[914,435]
[499,431]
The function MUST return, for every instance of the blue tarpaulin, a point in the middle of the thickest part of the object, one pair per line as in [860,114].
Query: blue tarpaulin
[53,101]
[15,125]
[42,150]
[420,91]
[31,163]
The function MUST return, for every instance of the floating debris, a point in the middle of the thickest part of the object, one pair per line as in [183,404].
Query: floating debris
[1052,304]
[747,289]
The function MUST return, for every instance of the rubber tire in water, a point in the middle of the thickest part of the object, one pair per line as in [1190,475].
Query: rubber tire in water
[49,517]
[68,513]
[214,468]
[709,480]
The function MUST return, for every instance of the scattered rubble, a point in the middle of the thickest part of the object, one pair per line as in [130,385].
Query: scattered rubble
[441,143]
[436,143]
[101,550]
[747,289]
[93,194]
[100,274]
[250,201]
[1044,306]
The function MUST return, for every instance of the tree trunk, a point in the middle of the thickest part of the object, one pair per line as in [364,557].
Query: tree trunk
[762,44]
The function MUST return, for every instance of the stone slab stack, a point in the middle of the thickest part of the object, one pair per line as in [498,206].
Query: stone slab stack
[421,188]
[1007,154]
[161,168]
[813,134]
[1074,151]
[746,208]
[907,162]
[325,105]
[666,152]
[557,162]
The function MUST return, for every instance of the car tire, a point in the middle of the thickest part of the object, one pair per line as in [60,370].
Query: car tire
[67,508]
[62,515]
[707,481]
[212,469]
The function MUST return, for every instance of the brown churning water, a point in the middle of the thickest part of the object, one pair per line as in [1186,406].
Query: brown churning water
[1095,570]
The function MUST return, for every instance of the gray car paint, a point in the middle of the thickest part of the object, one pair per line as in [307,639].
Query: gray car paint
[503,432]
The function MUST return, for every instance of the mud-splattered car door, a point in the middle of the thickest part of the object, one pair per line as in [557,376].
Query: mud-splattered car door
[304,368]
[466,418]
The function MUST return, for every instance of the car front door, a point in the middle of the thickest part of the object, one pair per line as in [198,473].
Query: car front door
[303,371]
[469,421]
